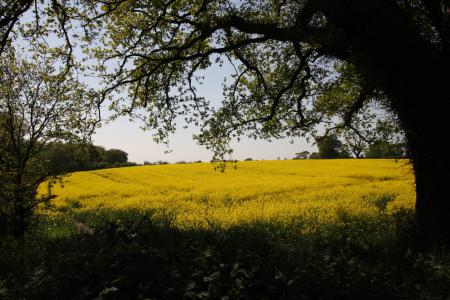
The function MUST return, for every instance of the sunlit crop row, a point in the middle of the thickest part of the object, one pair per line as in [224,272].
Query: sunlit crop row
[197,196]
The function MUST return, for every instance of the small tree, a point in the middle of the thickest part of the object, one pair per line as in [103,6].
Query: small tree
[331,147]
[390,141]
[116,156]
[384,149]
[375,133]
[355,144]
[39,105]
[314,155]
[302,155]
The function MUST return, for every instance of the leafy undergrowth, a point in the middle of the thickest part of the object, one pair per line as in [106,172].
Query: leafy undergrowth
[130,254]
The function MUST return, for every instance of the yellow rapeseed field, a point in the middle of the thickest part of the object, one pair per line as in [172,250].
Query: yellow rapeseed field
[197,196]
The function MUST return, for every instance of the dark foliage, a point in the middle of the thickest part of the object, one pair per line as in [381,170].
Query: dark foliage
[133,255]
[331,147]
[302,155]
[380,149]
[70,157]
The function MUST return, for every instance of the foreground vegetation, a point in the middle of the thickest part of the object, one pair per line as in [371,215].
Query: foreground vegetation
[260,230]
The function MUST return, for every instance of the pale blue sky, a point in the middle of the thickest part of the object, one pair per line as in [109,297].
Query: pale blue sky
[140,146]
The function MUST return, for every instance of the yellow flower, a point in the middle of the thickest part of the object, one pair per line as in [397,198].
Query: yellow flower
[196,196]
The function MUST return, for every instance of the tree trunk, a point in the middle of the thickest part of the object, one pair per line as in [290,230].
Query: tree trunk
[418,95]
[412,71]
[427,130]
[432,203]
[422,105]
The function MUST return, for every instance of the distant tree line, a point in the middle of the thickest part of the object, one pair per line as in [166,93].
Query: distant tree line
[330,146]
[70,157]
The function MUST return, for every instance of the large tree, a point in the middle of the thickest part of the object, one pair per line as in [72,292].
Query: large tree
[284,53]
[39,106]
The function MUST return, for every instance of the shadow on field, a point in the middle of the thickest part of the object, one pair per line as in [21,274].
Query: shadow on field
[134,255]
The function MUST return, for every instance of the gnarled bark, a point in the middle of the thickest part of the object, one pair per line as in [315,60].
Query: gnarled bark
[413,72]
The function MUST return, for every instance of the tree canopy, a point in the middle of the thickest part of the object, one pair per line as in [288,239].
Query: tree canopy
[293,63]
[331,147]
[38,107]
